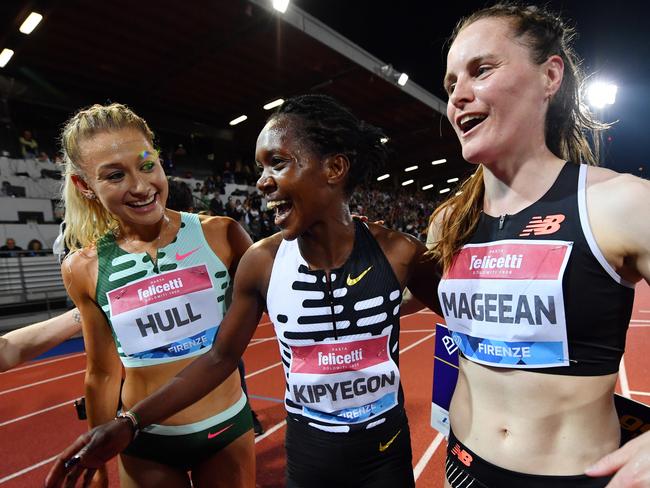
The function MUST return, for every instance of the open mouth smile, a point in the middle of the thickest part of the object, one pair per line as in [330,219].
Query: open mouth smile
[282,210]
[468,122]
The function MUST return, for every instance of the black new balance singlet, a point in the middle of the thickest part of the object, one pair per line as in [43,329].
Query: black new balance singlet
[338,338]
[533,290]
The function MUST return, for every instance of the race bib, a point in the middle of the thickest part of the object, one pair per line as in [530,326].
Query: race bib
[503,303]
[163,309]
[344,382]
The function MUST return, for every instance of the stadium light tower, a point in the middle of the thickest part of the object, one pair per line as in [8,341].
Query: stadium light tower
[600,94]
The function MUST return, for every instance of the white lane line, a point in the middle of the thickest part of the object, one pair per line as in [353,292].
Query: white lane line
[42,382]
[259,341]
[262,324]
[417,343]
[644,311]
[255,373]
[273,429]
[639,325]
[428,454]
[641,393]
[622,376]
[417,330]
[53,407]
[43,363]
[26,470]
[639,321]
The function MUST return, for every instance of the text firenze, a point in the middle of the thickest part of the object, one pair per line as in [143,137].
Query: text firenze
[500,308]
[153,290]
[173,318]
[509,261]
[342,390]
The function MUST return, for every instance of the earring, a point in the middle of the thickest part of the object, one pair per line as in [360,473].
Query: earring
[90,195]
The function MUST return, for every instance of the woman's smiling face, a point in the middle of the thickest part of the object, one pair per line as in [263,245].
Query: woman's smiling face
[293,178]
[497,94]
[123,170]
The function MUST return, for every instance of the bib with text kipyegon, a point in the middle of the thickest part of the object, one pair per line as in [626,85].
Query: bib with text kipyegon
[164,309]
[344,382]
[504,305]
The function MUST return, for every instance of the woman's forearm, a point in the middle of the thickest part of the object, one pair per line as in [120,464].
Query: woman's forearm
[188,387]
[28,342]
[102,397]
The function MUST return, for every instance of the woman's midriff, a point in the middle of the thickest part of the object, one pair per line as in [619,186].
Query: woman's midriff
[142,382]
[532,422]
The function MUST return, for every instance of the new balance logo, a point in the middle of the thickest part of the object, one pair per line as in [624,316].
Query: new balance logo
[543,226]
[462,455]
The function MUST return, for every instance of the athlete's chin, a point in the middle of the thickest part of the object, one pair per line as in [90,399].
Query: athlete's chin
[289,234]
[475,155]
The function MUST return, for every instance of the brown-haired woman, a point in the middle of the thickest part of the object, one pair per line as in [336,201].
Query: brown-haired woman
[150,284]
[541,253]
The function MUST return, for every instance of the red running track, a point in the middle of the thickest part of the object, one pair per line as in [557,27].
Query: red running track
[37,419]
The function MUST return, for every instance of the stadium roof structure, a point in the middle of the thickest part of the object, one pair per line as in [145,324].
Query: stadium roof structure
[195,66]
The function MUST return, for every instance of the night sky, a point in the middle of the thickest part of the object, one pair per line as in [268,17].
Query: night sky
[614,41]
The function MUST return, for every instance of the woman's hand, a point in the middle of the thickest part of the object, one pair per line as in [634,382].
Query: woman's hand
[630,463]
[89,453]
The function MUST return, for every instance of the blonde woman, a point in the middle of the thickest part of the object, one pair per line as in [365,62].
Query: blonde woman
[151,285]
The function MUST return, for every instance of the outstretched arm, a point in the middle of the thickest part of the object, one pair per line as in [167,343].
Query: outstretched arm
[28,342]
[203,375]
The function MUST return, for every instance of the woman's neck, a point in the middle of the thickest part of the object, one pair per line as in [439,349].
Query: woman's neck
[513,184]
[328,243]
[145,234]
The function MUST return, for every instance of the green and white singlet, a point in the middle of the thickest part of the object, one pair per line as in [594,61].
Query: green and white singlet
[168,310]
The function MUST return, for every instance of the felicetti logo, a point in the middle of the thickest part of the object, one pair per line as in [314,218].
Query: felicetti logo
[336,358]
[508,261]
[153,290]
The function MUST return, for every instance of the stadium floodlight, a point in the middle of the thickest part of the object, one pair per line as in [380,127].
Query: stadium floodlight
[5,56]
[274,103]
[445,190]
[281,5]
[452,180]
[407,182]
[238,120]
[393,75]
[30,23]
[383,140]
[600,94]
[438,161]
[427,187]
[383,177]
[411,168]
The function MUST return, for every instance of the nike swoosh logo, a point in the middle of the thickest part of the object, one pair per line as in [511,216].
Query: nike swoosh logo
[212,436]
[383,447]
[353,281]
[180,257]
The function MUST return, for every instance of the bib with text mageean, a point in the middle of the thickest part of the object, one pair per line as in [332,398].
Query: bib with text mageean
[164,309]
[503,303]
